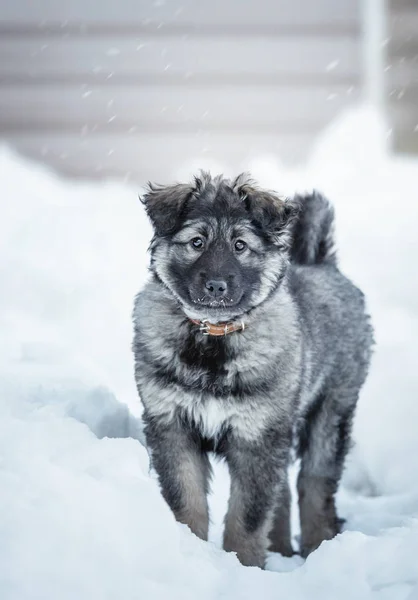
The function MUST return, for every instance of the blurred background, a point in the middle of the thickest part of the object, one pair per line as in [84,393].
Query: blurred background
[135,89]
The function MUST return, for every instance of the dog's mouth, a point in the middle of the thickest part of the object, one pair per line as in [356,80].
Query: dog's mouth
[203,307]
[206,301]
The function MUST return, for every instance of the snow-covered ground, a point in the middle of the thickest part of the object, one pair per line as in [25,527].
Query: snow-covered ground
[80,516]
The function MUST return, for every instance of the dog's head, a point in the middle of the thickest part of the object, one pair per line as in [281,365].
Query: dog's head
[220,246]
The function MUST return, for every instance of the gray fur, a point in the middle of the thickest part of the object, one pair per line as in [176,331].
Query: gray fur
[292,376]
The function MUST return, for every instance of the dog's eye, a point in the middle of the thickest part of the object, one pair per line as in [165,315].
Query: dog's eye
[197,243]
[240,245]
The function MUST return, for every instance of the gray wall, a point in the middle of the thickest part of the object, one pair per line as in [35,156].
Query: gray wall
[402,74]
[138,88]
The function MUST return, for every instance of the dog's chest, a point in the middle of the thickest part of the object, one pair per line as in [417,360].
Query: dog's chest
[212,416]
[224,398]
[212,366]
[206,353]
[209,382]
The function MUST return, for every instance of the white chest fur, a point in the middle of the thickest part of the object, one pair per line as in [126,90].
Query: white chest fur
[210,414]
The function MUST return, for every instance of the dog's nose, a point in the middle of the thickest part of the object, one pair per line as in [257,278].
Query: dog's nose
[216,288]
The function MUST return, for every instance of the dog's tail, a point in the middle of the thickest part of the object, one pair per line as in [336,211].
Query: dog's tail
[313,231]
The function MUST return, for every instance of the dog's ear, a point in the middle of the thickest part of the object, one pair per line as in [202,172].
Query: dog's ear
[274,215]
[165,205]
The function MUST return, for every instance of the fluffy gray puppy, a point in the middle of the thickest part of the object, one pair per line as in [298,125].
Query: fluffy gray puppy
[248,342]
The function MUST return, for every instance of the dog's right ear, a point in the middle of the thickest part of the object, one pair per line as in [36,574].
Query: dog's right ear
[165,205]
[272,213]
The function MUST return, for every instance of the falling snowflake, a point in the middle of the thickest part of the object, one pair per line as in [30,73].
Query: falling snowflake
[333,65]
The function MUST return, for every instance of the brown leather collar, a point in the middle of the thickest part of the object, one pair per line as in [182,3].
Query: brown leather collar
[220,328]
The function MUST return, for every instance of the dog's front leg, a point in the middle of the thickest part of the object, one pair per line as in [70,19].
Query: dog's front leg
[258,472]
[183,472]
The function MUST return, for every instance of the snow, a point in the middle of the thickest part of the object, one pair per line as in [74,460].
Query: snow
[80,514]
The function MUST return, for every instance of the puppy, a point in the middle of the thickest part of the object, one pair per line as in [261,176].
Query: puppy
[248,341]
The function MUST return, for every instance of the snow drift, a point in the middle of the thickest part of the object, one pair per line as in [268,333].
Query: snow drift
[80,515]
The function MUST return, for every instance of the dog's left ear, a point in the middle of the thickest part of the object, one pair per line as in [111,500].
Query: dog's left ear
[166,204]
[274,215]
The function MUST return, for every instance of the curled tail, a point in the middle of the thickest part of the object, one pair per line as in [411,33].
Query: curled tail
[313,232]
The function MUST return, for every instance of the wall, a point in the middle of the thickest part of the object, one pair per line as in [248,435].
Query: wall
[137,89]
[402,74]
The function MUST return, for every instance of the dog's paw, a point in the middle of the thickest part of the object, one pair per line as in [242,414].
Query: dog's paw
[282,547]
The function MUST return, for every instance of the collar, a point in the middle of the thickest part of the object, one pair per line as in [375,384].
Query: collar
[219,329]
